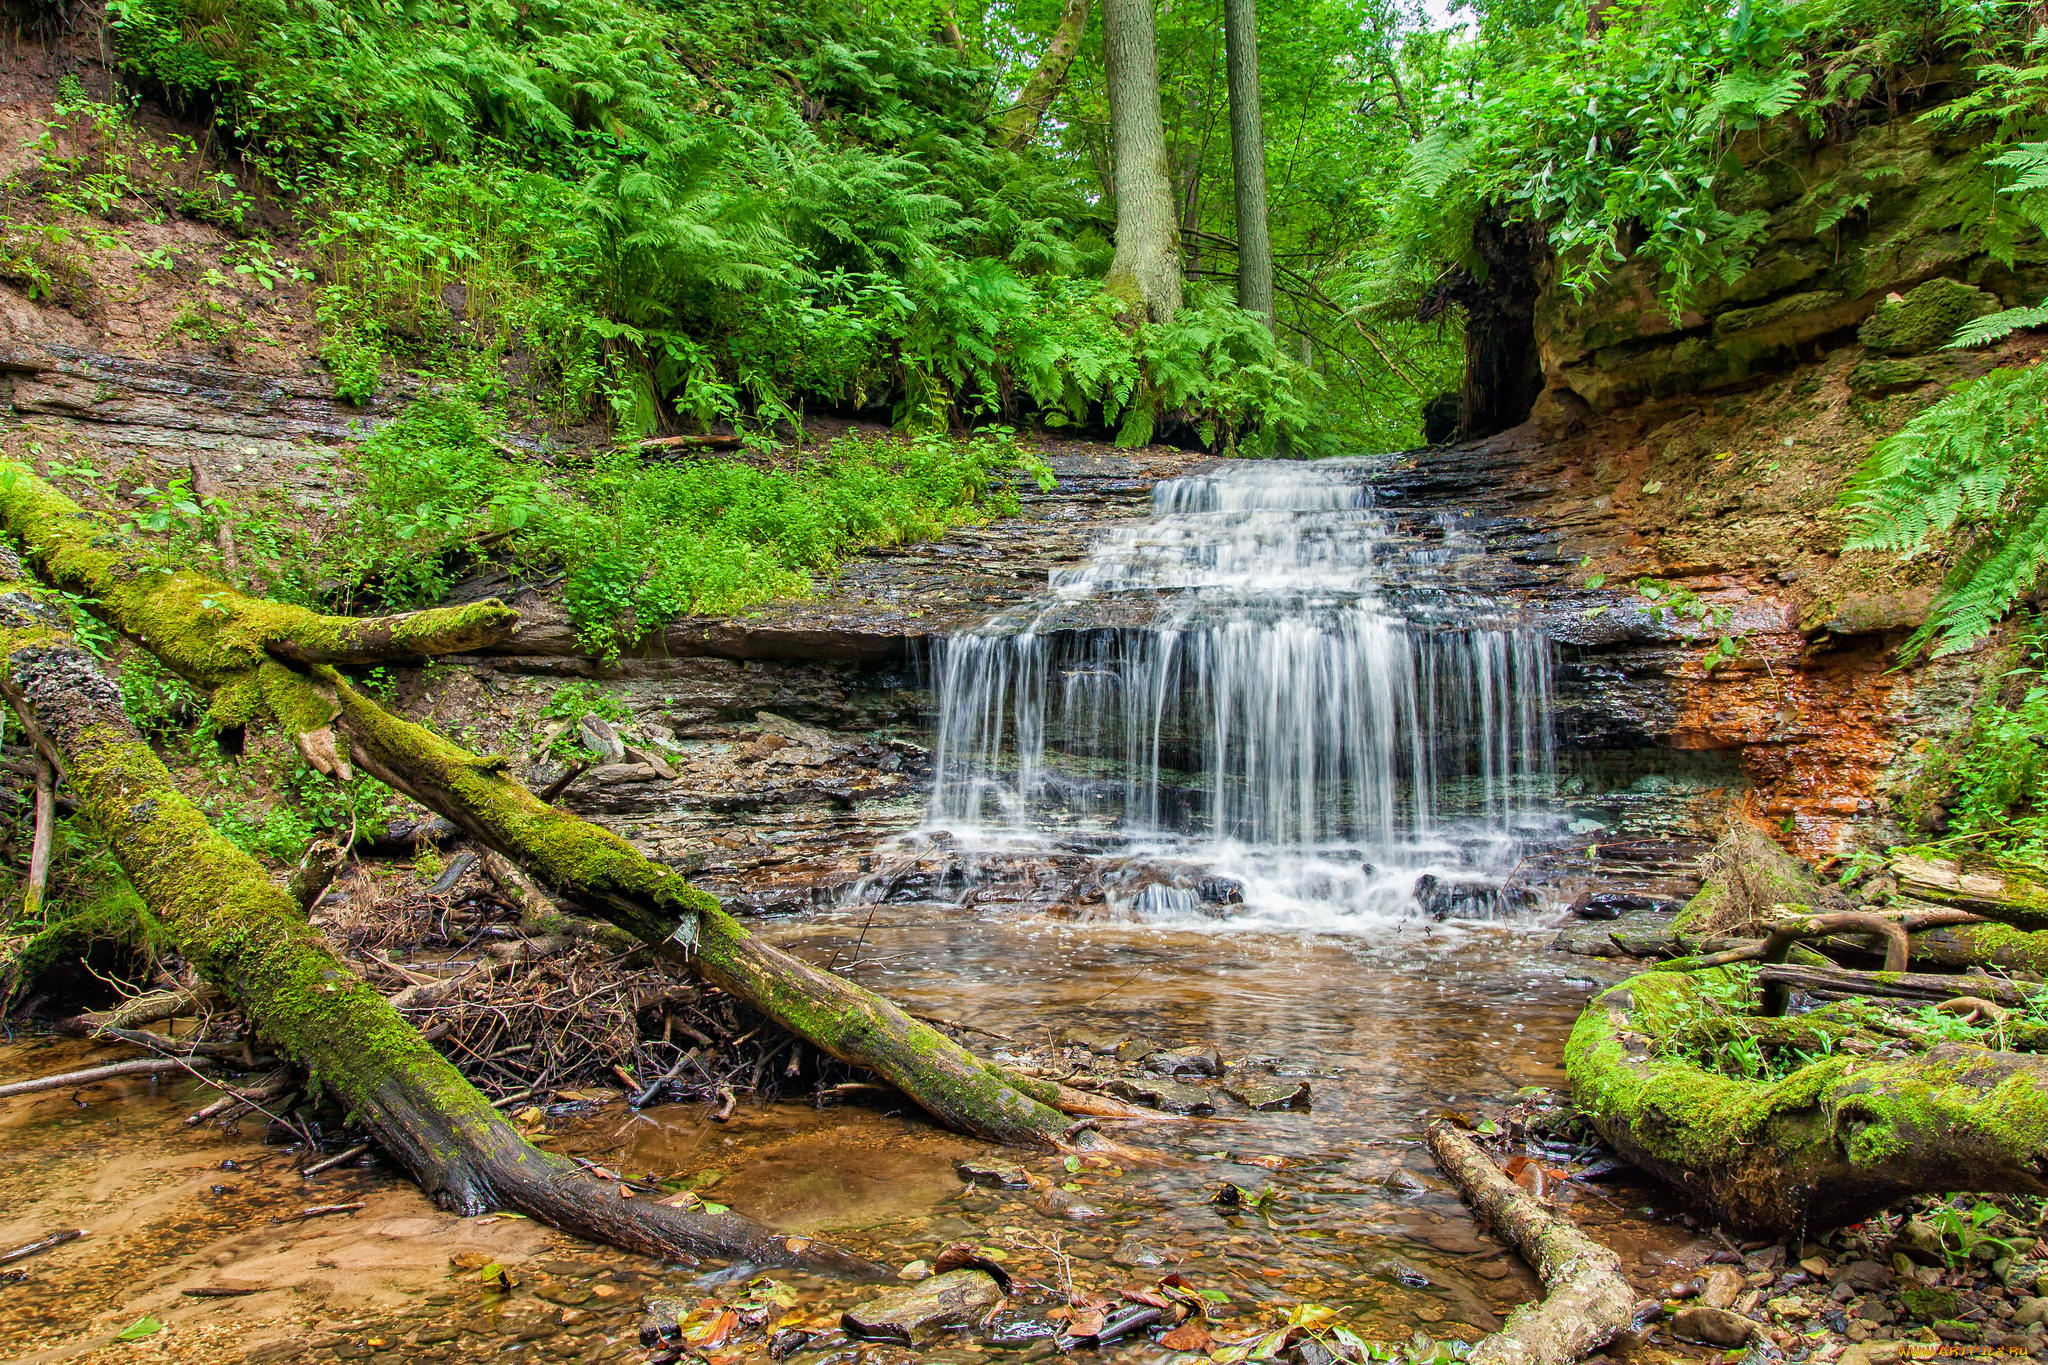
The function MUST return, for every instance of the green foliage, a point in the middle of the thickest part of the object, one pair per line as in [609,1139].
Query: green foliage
[698,211]
[158,701]
[1624,136]
[1992,783]
[1967,470]
[639,542]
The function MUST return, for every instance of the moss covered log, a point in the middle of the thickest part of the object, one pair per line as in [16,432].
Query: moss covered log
[1831,1142]
[601,874]
[265,659]
[244,935]
[202,628]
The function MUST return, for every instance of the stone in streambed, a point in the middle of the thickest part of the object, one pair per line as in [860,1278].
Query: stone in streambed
[996,1175]
[1172,1097]
[1058,1203]
[917,1316]
[1724,1285]
[662,1321]
[1135,1253]
[1267,1092]
[1095,1040]
[1714,1326]
[1186,1061]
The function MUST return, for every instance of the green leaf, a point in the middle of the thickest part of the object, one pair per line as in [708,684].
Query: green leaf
[139,1329]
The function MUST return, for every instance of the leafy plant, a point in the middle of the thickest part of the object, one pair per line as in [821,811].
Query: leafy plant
[1967,470]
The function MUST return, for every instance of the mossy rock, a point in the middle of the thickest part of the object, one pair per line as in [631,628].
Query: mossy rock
[1881,376]
[1925,319]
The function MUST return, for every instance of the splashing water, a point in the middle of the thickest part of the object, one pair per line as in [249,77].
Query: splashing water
[1266,690]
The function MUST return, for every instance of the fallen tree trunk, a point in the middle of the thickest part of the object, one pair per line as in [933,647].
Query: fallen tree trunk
[245,936]
[1832,1142]
[603,875]
[1836,983]
[1585,1303]
[1998,891]
[241,647]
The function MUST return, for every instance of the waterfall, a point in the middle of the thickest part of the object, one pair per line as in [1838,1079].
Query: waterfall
[1264,677]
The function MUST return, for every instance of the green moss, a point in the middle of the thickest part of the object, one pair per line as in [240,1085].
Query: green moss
[1926,318]
[1825,1141]
[199,627]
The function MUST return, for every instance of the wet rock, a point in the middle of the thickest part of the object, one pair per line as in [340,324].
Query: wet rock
[1058,1203]
[1013,1327]
[1405,1273]
[1135,1253]
[1865,1275]
[1443,898]
[662,1321]
[995,1175]
[1173,1097]
[566,1295]
[596,735]
[917,1316]
[1220,891]
[1136,1050]
[1606,905]
[1267,1092]
[1714,1326]
[1723,1286]
[1186,1061]
[1100,1043]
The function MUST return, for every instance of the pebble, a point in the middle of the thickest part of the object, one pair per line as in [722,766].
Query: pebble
[996,1175]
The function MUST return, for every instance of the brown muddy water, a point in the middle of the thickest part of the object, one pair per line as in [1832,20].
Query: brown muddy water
[1388,1030]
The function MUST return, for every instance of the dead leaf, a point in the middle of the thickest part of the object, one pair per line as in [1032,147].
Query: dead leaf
[1189,1336]
[713,1331]
[1151,1298]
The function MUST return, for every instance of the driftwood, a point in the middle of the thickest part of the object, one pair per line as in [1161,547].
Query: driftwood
[92,1075]
[1586,1301]
[242,932]
[39,844]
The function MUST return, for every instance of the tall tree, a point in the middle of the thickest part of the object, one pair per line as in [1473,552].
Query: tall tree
[1145,271]
[1019,123]
[1248,157]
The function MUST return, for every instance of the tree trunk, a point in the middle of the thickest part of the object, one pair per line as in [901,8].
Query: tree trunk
[1586,1301]
[602,875]
[598,872]
[1995,891]
[1831,1143]
[245,936]
[1145,272]
[1248,158]
[1018,126]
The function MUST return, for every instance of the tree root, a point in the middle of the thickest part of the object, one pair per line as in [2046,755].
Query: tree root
[1831,1142]
[242,932]
[1586,1301]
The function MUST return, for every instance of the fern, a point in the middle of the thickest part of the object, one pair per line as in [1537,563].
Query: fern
[1975,467]
[1998,326]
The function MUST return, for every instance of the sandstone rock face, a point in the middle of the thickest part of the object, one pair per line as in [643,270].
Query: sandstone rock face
[1850,225]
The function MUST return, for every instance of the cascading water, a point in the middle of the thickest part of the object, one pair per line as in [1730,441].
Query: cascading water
[1264,690]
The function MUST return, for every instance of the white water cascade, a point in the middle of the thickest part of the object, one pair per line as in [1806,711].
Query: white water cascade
[1263,684]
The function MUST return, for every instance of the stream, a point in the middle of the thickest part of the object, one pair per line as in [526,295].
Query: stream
[1272,772]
